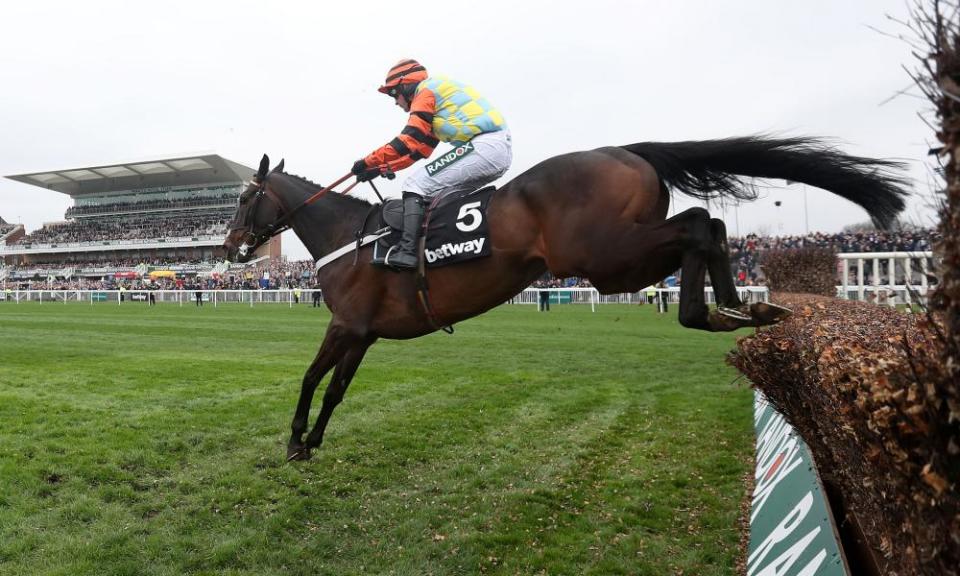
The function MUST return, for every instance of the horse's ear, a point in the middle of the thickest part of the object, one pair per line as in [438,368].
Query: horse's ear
[279,167]
[264,166]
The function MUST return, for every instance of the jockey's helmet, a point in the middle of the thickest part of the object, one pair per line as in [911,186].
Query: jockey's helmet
[403,75]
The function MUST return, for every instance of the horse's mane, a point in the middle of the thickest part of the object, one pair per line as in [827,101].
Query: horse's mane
[315,186]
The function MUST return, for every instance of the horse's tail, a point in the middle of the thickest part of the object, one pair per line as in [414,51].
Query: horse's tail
[713,168]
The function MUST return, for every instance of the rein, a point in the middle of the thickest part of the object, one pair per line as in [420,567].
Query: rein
[283,223]
[386,171]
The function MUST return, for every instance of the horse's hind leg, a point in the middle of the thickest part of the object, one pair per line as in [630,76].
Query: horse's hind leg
[688,239]
[648,252]
[705,246]
[721,276]
[696,240]
[718,264]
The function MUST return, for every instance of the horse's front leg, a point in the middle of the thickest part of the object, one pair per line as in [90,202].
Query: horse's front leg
[336,388]
[331,351]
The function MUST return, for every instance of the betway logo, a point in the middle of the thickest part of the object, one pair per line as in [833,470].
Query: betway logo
[449,249]
[449,158]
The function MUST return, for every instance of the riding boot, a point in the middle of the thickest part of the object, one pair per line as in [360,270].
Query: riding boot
[403,256]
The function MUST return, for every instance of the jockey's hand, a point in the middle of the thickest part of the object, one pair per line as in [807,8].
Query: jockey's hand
[359,167]
[364,172]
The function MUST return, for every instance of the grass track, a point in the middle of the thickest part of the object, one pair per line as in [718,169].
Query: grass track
[150,441]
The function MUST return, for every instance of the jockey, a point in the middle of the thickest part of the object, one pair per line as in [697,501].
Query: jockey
[441,109]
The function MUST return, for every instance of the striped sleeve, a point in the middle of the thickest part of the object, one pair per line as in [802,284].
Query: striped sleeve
[416,140]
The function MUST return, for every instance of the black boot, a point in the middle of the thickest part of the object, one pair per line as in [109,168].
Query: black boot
[403,256]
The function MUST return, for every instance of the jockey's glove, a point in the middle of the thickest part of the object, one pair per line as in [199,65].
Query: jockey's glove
[364,172]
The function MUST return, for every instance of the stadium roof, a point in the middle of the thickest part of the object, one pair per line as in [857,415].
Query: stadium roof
[201,169]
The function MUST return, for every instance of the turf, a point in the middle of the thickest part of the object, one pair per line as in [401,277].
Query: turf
[150,441]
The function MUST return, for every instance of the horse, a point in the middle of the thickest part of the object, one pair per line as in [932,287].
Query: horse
[598,214]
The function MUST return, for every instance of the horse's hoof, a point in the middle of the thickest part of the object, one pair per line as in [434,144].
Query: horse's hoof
[720,322]
[734,313]
[298,454]
[766,313]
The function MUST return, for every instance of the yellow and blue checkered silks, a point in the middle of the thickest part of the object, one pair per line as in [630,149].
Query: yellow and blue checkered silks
[460,111]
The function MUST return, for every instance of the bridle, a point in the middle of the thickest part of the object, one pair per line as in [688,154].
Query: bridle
[253,240]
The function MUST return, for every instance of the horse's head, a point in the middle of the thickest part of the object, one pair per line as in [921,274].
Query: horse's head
[258,210]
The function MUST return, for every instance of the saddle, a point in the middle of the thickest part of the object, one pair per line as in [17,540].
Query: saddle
[391,211]
[440,218]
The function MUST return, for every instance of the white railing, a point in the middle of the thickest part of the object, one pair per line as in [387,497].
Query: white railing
[593,297]
[895,277]
[289,297]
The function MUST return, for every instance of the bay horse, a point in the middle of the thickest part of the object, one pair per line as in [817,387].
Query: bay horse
[598,214]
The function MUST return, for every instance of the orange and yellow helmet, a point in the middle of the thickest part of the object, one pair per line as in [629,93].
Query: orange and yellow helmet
[406,71]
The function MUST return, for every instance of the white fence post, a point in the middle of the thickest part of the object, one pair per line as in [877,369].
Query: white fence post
[861,293]
[877,286]
[845,278]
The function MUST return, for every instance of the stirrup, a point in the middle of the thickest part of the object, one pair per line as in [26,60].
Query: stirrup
[398,266]
[384,260]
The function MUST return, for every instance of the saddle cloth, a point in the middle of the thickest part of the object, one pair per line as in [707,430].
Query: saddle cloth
[456,227]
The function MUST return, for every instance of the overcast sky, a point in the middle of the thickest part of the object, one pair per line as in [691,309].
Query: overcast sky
[96,82]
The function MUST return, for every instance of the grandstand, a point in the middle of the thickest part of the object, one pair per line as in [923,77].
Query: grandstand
[133,217]
[9,234]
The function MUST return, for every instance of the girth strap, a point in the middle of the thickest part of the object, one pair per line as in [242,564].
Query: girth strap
[423,288]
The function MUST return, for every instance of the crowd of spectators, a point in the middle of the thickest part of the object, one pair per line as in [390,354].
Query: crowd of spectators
[548,281]
[174,226]
[113,264]
[225,199]
[270,275]
[745,258]
[746,252]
